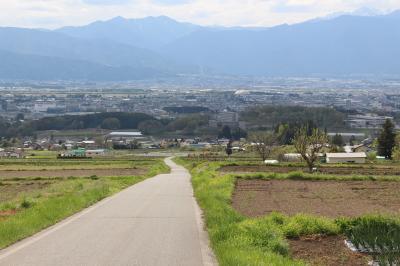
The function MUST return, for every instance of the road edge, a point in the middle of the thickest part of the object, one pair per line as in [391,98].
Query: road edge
[208,256]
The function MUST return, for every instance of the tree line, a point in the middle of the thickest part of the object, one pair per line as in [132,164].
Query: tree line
[309,140]
[189,124]
[20,128]
[293,116]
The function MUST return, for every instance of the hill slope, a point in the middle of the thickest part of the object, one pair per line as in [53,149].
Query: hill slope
[34,67]
[345,45]
[53,44]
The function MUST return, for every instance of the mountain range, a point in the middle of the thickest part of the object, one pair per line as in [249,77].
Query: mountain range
[152,47]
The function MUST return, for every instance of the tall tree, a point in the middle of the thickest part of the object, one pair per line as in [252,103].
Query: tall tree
[111,123]
[264,143]
[238,133]
[352,140]
[225,132]
[228,149]
[387,139]
[309,146]
[337,140]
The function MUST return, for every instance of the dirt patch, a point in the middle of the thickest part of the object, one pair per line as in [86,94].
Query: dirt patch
[9,189]
[325,198]
[74,173]
[326,251]
[7,213]
[385,171]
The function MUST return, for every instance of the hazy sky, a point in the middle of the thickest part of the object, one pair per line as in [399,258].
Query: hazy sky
[56,13]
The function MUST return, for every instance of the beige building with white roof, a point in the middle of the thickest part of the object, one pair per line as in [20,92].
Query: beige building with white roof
[354,157]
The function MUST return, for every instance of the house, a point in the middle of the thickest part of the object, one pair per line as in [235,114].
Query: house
[88,144]
[360,148]
[125,135]
[77,153]
[355,157]
[292,157]
[12,154]
[296,157]
[98,152]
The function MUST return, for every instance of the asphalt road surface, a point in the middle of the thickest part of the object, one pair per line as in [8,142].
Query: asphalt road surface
[155,222]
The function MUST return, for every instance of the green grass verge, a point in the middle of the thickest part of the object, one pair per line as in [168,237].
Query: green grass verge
[238,240]
[41,209]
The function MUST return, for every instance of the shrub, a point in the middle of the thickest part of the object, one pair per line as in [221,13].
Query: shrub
[26,203]
[297,175]
[371,156]
[94,177]
[302,224]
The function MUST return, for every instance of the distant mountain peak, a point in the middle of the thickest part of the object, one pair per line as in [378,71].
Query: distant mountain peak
[395,13]
[118,18]
[367,12]
[144,19]
[360,12]
[149,32]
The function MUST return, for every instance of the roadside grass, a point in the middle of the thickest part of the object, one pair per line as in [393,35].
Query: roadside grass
[298,175]
[235,161]
[238,240]
[41,208]
[56,164]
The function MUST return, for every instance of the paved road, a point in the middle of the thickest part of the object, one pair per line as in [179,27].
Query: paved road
[155,222]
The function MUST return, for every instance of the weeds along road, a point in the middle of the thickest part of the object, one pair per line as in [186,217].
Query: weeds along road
[155,222]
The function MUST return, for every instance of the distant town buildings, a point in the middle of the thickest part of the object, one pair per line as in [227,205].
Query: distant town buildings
[367,121]
[225,118]
[225,102]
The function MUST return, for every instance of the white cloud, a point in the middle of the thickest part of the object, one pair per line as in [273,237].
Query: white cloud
[56,13]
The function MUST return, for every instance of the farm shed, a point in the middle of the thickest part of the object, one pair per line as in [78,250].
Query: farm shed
[355,157]
[99,152]
[292,157]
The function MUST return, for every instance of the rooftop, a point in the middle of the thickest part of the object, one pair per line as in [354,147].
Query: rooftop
[347,155]
[126,134]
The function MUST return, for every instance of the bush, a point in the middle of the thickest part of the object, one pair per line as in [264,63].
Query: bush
[26,203]
[302,224]
[94,177]
[371,156]
[297,175]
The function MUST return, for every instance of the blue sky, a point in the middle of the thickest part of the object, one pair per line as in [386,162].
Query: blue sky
[57,13]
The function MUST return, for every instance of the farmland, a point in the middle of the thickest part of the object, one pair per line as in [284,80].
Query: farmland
[37,193]
[326,198]
[282,215]
[374,170]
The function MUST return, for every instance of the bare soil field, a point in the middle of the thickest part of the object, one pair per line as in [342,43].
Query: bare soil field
[326,251]
[324,198]
[10,189]
[5,214]
[338,170]
[10,174]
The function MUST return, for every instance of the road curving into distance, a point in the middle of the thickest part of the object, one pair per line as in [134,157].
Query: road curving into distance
[155,222]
